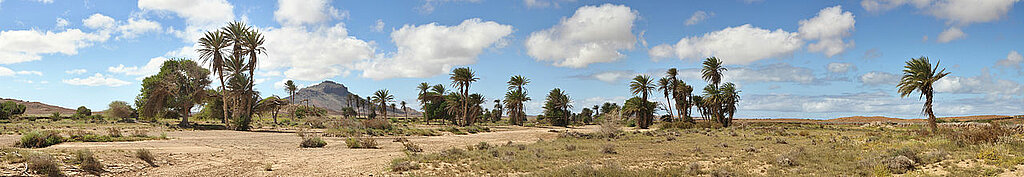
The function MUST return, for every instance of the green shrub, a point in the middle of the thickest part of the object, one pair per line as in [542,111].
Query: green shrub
[55,116]
[312,142]
[39,139]
[119,109]
[44,165]
[82,112]
[10,109]
[146,156]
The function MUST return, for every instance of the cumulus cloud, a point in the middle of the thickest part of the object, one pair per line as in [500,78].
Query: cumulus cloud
[62,23]
[698,17]
[981,84]
[378,26]
[610,77]
[432,49]
[99,21]
[876,102]
[291,12]
[828,27]
[879,78]
[950,34]
[96,80]
[1012,60]
[18,46]
[779,72]
[76,71]
[314,53]
[957,13]
[152,67]
[199,15]
[594,34]
[733,45]
[135,27]
[840,67]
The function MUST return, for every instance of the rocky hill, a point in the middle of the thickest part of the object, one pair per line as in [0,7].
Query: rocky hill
[334,96]
[37,108]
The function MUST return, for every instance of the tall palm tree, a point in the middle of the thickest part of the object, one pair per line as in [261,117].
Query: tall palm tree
[642,85]
[462,78]
[252,44]
[212,49]
[919,75]
[515,97]
[712,71]
[683,100]
[291,88]
[404,110]
[558,103]
[666,86]
[423,87]
[730,97]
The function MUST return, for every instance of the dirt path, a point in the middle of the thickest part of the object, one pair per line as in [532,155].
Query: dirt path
[234,153]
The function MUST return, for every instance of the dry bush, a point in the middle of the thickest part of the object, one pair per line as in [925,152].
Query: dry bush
[361,143]
[694,168]
[610,128]
[44,165]
[570,147]
[114,132]
[482,146]
[789,159]
[979,134]
[899,164]
[312,142]
[403,165]
[88,162]
[140,133]
[608,149]
[379,124]
[146,156]
[401,140]
[409,146]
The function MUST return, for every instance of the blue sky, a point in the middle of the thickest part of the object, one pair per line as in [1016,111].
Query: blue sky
[807,59]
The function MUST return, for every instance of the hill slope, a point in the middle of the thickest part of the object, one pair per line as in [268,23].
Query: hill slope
[334,96]
[37,108]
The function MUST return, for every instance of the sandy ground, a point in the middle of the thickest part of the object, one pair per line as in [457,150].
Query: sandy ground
[236,153]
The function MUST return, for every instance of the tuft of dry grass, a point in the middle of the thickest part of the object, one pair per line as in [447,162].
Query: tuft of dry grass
[146,156]
[88,162]
[361,143]
[44,165]
[312,142]
[608,149]
[114,132]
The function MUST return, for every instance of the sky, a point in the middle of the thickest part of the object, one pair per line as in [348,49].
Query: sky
[790,59]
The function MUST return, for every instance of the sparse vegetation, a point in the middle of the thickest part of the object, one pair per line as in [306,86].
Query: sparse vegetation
[44,164]
[361,143]
[146,156]
[88,163]
[39,139]
[312,142]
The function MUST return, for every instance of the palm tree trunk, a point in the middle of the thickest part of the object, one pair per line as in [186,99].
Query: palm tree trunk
[223,98]
[928,110]
[669,104]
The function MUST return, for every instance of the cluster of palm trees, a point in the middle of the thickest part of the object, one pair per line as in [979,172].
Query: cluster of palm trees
[233,51]
[514,99]
[556,108]
[718,102]
[460,107]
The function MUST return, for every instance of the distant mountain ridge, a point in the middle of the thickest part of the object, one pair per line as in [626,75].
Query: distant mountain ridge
[334,96]
[37,108]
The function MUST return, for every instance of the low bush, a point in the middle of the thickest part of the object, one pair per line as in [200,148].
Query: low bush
[399,165]
[379,124]
[608,149]
[44,165]
[39,139]
[140,133]
[114,132]
[88,163]
[146,156]
[979,134]
[312,142]
[361,143]
[409,146]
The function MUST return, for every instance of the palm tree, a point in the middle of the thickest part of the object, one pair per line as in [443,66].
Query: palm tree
[252,44]
[683,101]
[212,51]
[666,86]
[919,75]
[404,110]
[712,71]
[557,103]
[423,87]
[515,97]
[291,88]
[383,97]
[642,85]
[462,78]
[730,97]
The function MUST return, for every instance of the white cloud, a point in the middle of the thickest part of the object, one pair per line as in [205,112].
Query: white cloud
[828,27]
[62,23]
[698,17]
[594,34]
[152,67]
[8,72]
[950,34]
[879,78]
[860,103]
[99,21]
[18,46]
[96,80]
[779,72]
[428,5]
[314,53]
[840,67]
[981,84]
[76,71]
[299,12]
[733,45]
[610,76]
[379,26]
[432,49]
[134,27]
[44,1]
[1012,60]
[199,15]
